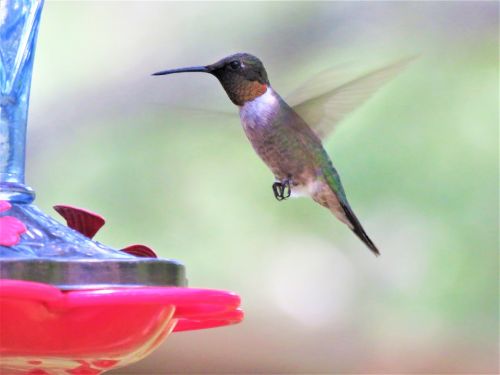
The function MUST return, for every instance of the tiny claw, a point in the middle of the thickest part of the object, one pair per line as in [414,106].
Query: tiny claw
[278,191]
[282,190]
[286,188]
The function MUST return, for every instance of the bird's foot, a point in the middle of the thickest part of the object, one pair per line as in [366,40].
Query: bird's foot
[282,190]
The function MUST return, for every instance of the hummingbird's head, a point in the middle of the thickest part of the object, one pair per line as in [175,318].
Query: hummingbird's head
[242,75]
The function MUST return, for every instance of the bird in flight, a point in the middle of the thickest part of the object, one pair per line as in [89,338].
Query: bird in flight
[287,137]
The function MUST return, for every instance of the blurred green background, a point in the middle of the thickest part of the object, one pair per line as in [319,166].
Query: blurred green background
[419,162]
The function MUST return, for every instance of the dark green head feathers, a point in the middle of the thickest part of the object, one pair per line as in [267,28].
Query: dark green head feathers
[242,65]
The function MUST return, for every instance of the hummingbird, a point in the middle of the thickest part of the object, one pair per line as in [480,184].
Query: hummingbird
[281,135]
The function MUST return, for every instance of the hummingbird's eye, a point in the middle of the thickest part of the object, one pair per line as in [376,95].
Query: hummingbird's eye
[235,65]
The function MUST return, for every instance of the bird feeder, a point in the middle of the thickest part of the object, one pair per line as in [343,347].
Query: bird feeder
[69,304]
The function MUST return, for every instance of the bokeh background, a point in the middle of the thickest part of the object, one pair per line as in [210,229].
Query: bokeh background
[419,162]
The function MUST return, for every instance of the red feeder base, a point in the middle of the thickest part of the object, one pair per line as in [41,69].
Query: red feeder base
[44,330]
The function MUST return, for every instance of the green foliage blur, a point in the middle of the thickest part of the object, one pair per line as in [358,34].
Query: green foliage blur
[419,162]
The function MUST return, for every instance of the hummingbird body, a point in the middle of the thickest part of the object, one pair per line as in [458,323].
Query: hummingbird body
[294,153]
[282,139]
[284,142]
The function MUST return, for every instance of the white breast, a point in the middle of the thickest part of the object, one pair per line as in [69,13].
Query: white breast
[257,112]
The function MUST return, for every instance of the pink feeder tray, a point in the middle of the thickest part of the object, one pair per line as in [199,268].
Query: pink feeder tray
[48,331]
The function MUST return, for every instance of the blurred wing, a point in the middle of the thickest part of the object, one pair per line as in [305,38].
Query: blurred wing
[322,112]
[217,114]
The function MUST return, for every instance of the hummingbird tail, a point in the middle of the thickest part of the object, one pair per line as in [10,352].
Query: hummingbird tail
[325,196]
[356,227]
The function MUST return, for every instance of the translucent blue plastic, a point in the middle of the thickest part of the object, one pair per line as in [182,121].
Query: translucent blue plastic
[18,31]
[45,237]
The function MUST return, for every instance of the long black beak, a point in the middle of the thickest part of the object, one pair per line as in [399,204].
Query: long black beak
[202,69]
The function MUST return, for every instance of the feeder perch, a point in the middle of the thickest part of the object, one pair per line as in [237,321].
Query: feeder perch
[69,304]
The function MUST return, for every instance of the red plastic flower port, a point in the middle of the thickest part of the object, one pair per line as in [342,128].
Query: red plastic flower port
[11,228]
[88,223]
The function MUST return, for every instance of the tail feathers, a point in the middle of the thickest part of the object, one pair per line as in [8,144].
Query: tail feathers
[358,229]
